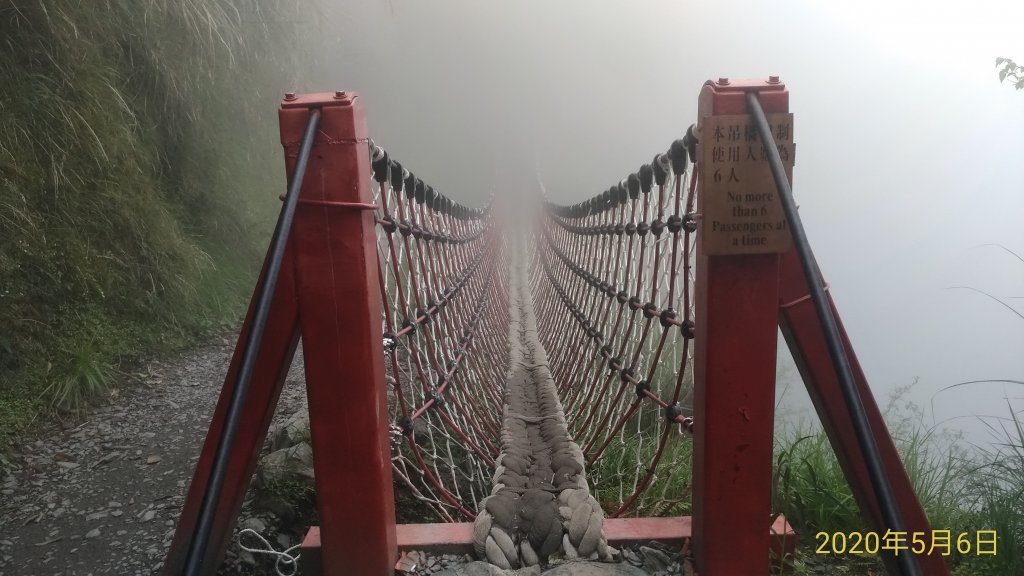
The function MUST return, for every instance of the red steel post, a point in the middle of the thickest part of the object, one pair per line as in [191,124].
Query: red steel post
[736,311]
[275,356]
[802,330]
[336,277]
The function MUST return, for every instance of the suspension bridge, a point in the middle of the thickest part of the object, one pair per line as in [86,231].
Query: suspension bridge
[544,378]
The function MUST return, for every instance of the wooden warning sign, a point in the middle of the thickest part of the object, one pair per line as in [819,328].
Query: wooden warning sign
[741,212]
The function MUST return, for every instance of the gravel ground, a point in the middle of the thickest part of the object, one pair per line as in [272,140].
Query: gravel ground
[654,559]
[103,496]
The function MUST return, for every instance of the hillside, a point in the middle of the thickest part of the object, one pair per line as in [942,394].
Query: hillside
[139,169]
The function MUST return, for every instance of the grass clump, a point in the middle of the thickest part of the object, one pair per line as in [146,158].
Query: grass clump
[623,466]
[89,375]
[139,168]
[998,484]
[961,490]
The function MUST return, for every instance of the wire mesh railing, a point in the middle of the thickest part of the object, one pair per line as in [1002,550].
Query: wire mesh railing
[612,279]
[443,287]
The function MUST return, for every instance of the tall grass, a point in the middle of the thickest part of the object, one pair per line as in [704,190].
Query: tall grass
[138,172]
[963,490]
[999,486]
[616,474]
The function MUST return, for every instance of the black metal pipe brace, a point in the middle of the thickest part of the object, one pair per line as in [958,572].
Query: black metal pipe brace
[907,562]
[250,348]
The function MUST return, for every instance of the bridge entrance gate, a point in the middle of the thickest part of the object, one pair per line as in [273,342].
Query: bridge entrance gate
[543,379]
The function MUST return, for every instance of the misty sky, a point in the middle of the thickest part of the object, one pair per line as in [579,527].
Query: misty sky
[909,150]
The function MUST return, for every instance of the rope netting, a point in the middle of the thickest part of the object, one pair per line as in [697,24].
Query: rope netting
[443,280]
[613,289]
[609,284]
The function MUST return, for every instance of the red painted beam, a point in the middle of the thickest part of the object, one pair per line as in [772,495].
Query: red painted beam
[457,538]
[275,356]
[736,307]
[802,331]
[336,278]
[328,290]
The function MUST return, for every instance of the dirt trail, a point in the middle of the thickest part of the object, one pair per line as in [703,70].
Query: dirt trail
[103,497]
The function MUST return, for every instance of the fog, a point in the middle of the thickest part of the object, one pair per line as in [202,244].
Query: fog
[908,147]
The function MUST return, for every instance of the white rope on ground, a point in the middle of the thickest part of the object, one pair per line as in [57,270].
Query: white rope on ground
[284,559]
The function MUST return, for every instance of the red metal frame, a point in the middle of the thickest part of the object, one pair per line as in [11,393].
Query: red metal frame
[328,292]
[275,356]
[457,537]
[734,397]
[734,382]
[802,331]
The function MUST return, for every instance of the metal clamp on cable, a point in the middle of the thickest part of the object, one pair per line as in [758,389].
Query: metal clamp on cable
[622,297]
[661,166]
[668,317]
[417,231]
[690,142]
[396,175]
[379,161]
[690,222]
[405,425]
[410,326]
[422,316]
[438,399]
[687,423]
[388,223]
[628,375]
[673,412]
[674,223]
[390,342]
[657,227]
[689,329]
[633,186]
[646,176]
[442,380]
[405,228]
[642,387]
[677,153]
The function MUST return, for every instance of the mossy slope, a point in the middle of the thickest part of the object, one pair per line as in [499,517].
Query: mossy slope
[139,169]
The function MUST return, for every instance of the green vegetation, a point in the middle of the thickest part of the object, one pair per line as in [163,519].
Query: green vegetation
[139,169]
[293,495]
[624,465]
[961,490]
[1010,70]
